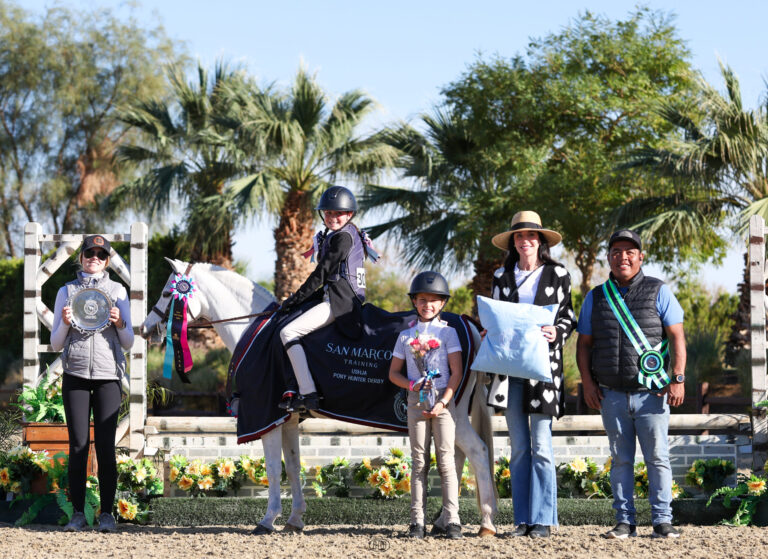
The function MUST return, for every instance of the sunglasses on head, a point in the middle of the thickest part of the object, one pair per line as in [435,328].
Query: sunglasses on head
[98,253]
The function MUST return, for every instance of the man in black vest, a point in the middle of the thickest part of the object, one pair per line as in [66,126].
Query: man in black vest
[627,329]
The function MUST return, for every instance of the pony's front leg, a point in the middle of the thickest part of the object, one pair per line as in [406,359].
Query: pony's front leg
[477,452]
[272,443]
[292,458]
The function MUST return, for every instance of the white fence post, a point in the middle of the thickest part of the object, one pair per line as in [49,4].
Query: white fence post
[138,296]
[758,340]
[32,253]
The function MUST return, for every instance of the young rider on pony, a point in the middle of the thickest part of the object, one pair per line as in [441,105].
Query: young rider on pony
[432,353]
[340,251]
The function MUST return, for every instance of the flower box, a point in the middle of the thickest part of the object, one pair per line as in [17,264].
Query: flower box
[54,438]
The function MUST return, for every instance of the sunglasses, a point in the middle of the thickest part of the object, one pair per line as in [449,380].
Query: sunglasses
[91,252]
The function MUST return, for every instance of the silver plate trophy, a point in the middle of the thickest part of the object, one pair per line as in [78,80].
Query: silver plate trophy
[90,310]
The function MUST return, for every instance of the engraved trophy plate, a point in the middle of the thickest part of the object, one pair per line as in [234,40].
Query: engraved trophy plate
[90,310]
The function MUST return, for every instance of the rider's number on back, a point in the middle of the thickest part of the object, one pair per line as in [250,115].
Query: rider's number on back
[361,277]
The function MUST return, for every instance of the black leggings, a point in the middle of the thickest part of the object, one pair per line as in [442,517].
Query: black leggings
[79,396]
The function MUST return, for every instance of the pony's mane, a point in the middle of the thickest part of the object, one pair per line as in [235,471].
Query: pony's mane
[239,286]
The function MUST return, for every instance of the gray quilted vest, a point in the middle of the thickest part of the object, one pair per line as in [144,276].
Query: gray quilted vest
[94,356]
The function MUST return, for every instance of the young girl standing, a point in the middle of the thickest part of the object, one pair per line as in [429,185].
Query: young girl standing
[340,252]
[432,354]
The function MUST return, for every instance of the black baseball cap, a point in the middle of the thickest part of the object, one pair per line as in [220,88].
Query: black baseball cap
[96,241]
[626,235]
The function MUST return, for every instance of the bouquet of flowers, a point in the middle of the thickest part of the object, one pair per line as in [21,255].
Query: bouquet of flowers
[423,349]
[390,479]
[584,476]
[138,481]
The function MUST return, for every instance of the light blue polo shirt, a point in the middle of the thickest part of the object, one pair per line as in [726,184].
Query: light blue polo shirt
[667,305]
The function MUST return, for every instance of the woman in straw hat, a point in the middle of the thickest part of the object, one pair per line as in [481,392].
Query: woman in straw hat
[530,275]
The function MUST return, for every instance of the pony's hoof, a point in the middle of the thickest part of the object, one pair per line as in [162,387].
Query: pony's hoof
[485,532]
[292,529]
[262,530]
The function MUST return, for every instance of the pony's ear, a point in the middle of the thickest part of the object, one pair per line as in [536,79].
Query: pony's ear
[177,265]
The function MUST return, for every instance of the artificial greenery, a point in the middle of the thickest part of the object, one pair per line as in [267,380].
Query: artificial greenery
[333,478]
[138,481]
[709,475]
[223,475]
[750,492]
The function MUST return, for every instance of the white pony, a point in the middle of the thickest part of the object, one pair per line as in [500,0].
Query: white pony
[223,294]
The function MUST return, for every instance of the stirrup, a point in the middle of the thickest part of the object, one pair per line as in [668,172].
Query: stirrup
[288,403]
[309,402]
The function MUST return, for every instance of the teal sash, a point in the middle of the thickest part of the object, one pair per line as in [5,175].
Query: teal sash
[652,374]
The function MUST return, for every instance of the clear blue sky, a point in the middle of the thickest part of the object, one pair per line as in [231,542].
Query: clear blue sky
[402,53]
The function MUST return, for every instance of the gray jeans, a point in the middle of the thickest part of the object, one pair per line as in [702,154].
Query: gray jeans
[443,428]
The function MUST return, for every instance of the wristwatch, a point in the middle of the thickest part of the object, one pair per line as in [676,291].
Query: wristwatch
[445,404]
[679,379]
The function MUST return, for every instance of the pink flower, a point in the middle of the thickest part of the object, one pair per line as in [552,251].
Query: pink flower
[433,344]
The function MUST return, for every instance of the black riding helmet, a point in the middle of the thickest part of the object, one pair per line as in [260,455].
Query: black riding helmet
[337,198]
[429,282]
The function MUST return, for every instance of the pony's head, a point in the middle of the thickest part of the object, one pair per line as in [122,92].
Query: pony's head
[153,326]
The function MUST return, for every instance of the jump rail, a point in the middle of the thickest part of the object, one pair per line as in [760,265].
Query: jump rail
[226,425]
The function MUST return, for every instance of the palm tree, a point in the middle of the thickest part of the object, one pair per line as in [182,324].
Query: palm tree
[309,145]
[460,198]
[189,159]
[718,167]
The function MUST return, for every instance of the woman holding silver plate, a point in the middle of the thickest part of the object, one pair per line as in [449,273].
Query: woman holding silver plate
[92,325]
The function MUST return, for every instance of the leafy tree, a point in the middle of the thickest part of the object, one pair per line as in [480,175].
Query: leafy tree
[545,132]
[601,81]
[309,144]
[62,76]
[188,158]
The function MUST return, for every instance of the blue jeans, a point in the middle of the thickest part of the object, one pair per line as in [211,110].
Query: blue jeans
[531,462]
[644,415]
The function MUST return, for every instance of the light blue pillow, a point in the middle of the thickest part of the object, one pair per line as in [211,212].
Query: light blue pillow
[513,344]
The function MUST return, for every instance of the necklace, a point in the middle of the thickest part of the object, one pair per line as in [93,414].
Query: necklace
[521,276]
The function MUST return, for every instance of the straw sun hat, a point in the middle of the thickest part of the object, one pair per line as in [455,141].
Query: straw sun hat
[526,221]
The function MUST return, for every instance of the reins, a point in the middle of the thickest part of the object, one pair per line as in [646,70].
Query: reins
[210,323]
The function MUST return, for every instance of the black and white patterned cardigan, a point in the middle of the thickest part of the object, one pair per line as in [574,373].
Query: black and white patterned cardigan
[554,288]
